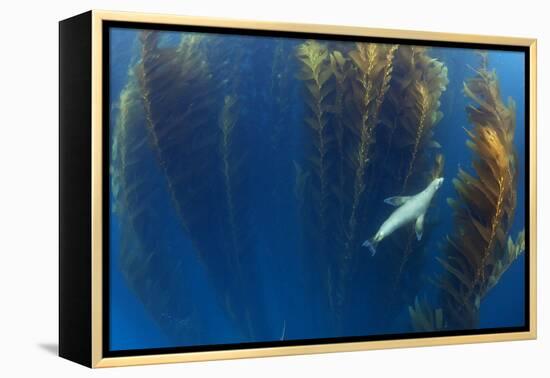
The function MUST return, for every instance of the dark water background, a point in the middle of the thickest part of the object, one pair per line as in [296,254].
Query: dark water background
[293,307]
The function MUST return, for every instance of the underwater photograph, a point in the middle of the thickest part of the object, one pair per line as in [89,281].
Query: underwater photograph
[280,189]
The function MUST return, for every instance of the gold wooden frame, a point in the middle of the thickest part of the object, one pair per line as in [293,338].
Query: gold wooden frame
[99,16]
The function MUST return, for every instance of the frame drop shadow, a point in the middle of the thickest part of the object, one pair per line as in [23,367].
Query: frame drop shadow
[51,348]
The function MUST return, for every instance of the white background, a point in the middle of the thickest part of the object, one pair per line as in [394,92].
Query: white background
[29,189]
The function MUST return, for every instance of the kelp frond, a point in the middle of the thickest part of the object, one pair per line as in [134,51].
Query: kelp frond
[486,202]
[422,106]
[317,173]
[195,150]
[424,318]
[175,89]
[227,123]
[419,81]
[373,64]
[437,169]
[232,157]
[143,243]
[362,78]
[513,251]
[409,118]
[315,73]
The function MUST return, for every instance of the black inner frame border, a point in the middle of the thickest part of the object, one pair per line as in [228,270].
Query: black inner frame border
[106,137]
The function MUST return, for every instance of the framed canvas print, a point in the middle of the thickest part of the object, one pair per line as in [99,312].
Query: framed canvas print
[237,189]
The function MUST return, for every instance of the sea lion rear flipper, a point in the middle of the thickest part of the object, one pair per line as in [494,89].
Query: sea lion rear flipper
[368,244]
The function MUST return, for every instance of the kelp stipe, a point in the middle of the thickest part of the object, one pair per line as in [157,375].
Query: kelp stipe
[277,131]
[406,239]
[342,70]
[145,247]
[437,169]
[301,183]
[477,252]
[409,246]
[279,94]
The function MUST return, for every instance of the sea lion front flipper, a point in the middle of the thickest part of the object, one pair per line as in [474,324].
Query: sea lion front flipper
[419,227]
[397,200]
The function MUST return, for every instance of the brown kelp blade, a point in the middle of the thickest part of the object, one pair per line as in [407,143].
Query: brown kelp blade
[478,252]
[145,257]
[194,147]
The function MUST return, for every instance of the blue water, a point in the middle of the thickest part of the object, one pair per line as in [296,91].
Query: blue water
[179,288]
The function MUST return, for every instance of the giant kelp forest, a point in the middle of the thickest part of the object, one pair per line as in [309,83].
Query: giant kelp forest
[246,173]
